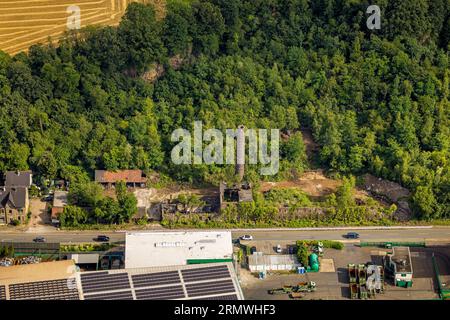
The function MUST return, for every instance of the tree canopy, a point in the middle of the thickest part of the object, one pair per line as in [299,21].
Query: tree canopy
[376,100]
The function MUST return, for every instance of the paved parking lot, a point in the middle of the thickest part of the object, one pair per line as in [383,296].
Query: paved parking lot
[334,285]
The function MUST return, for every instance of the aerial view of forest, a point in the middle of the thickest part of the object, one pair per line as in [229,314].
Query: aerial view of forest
[374,101]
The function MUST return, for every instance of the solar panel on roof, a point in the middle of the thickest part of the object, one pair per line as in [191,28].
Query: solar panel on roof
[61,297]
[162,293]
[201,274]
[153,279]
[121,295]
[97,282]
[196,270]
[42,289]
[2,293]
[209,288]
[226,297]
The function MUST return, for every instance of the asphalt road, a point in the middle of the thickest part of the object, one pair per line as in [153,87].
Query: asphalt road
[417,235]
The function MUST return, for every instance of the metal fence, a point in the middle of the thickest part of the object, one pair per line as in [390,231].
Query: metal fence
[393,244]
[32,248]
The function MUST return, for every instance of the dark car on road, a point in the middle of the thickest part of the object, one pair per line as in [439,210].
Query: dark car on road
[39,239]
[47,198]
[102,238]
[352,235]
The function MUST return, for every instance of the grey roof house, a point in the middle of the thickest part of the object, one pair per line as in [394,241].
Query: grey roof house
[13,204]
[22,179]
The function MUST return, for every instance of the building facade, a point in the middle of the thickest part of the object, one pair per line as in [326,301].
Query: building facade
[14,205]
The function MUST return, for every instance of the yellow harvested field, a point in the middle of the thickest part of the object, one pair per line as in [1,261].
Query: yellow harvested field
[27,22]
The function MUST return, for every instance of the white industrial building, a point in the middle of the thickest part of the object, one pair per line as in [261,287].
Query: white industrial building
[272,262]
[159,249]
[400,265]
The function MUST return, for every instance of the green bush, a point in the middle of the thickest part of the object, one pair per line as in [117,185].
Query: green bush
[303,253]
[327,244]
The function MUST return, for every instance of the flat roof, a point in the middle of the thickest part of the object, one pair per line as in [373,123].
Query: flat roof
[157,249]
[63,269]
[272,259]
[60,198]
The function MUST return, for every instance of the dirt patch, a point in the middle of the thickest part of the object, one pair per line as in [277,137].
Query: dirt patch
[148,196]
[39,213]
[311,146]
[314,183]
[327,265]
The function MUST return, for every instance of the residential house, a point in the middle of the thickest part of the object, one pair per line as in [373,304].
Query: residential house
[132,178]
[14,200]
[22,179]
[14,204]
[60,200]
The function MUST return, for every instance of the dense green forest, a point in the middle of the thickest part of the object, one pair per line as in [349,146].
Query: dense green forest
[376,100]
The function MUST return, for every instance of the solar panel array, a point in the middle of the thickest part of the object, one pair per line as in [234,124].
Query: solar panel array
[191,282]
[2,293]
[43,290]
[226,297]
[160,293]
[213,282]
[120,295]
[149,279]
[209,288]
[106,286]
[208,273]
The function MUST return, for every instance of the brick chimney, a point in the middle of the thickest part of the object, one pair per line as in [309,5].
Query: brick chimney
[240,153]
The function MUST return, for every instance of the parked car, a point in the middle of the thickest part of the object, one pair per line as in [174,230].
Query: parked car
[47,198]
[39,239]
[102,238]
[247,237]
[278,249]
[252,250]
[352,235]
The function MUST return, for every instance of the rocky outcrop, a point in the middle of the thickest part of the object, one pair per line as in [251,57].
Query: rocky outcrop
[390,192]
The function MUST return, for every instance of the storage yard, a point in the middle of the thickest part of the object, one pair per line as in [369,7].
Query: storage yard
[368,264]
[27,22]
